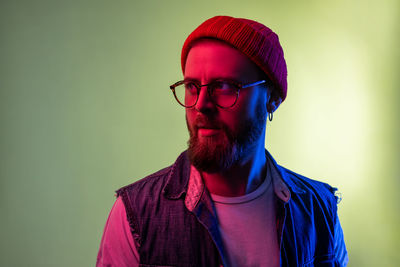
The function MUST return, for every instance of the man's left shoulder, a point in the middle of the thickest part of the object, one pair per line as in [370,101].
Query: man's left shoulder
[311,186]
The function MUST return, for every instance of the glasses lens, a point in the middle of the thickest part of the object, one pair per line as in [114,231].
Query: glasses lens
[186,94]
[224,93]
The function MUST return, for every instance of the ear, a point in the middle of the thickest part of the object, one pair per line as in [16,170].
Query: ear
[274,100]
[273,105]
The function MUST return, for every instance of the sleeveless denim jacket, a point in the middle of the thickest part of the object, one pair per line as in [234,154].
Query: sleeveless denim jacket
[168,233]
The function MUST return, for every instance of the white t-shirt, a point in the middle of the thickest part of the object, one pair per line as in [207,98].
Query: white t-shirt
[248,227]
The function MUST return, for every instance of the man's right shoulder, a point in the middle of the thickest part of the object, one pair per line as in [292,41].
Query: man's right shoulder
[155,180]
[154,184]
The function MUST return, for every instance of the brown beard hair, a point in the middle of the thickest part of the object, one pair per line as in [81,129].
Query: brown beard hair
[217,155]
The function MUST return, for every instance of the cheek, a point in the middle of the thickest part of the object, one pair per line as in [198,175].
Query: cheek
[233,119]
[189,113]
[190,117]
[245,108]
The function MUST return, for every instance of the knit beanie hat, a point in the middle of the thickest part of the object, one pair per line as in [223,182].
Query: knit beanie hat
[255,40]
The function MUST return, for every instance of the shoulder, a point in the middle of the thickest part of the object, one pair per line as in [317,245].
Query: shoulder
[303,186]
[311,194]
[152,182]
[141,198]
[170,181]
[308,185]
[117,247]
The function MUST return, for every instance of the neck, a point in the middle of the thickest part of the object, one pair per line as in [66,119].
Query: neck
[242,178]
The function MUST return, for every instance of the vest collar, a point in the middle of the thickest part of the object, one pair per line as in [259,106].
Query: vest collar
[178,177]
[185,179]
[282,173]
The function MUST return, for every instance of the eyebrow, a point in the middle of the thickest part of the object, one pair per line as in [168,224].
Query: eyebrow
[190,79]
[232,79]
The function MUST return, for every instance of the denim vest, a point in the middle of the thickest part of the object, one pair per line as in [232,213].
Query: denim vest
[169,232]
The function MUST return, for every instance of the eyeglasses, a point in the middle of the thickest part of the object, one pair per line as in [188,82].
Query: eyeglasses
[223,93]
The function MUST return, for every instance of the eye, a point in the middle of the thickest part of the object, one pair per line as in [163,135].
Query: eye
[221,86]
[191,87]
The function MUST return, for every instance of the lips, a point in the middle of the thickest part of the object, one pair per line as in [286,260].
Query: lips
[206,127]
[208,131]
[202,125]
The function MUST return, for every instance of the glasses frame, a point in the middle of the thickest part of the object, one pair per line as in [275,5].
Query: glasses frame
[237,85]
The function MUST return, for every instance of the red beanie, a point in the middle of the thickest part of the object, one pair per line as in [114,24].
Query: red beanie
[253,39]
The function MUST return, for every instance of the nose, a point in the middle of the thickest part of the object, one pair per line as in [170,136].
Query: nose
[204,103]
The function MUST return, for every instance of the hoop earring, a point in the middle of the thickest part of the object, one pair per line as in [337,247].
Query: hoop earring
[270,116]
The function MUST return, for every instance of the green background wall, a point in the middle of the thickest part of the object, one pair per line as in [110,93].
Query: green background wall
[85,109]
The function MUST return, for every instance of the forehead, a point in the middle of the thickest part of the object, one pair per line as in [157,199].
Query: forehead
[210,58]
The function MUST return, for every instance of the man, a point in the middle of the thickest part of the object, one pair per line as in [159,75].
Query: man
[225,201]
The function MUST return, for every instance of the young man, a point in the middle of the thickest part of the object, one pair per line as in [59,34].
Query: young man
[225,201]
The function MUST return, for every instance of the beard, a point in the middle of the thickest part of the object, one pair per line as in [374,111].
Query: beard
[220,152]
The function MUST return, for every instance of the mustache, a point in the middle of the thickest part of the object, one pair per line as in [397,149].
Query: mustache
[202,121]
